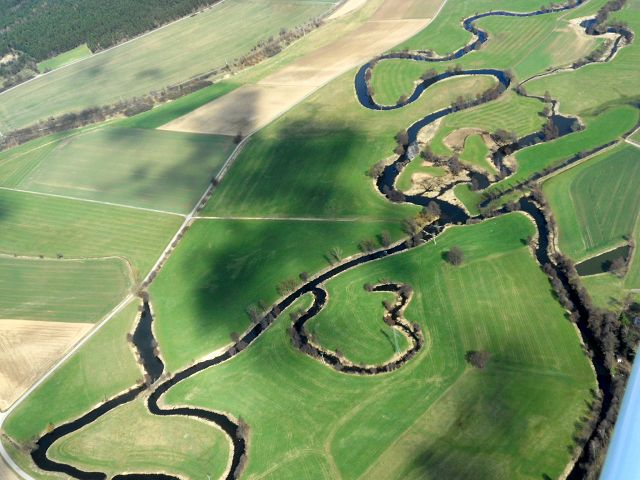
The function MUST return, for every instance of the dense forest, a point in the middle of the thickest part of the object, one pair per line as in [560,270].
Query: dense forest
[42,29]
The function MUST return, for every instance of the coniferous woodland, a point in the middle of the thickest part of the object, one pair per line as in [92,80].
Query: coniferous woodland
[42,29]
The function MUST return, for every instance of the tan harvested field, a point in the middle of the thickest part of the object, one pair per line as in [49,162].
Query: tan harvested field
[5,472]
[28,348]
[347,7]
[253,106]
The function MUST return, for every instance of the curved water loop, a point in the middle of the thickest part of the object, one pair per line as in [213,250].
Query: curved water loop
[394,318]
[450,214]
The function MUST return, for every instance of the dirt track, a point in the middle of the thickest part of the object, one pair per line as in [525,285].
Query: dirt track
[253,106]
[28,348]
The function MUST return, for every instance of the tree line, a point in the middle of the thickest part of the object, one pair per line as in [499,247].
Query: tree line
[44,29]
[133,106]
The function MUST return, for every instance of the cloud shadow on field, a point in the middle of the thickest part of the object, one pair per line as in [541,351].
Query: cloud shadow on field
[308,167]
[486,427]
[148,73]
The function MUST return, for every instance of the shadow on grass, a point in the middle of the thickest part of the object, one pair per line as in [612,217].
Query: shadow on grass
[488,431]
[252,254]
[304,168]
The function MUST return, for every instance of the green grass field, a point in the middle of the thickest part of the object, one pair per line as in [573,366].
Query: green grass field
[131,439]
[511,112]
[620,76]
[37,225]
[316,156]
[103,367]
[170,111]
[526,46]
[61,290]
[636,136]
[138,167]
[468,197]
[601,129]
[433,418]
[404,181]
[65,58]
[357,328]
[170,55]
[475,153]
[596,205]
[224,266]
[393,78]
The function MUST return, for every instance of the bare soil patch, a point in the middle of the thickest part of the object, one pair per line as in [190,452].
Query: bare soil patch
[5,471]
[253,106]
[455,140]
[347,7]
[28,348]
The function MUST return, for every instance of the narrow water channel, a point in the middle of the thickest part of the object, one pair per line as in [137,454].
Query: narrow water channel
[451,214]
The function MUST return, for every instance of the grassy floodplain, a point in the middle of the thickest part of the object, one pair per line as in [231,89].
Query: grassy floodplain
[526,46]
[102,368]
[65,58]
[317,155]
[357,329]
[475,153]
[510,112]
[621,75]
[167,56]
[115,443]
[38,225]
[222,267]
[61,290]
[601,129]
[138,167]
[596,205]
[404,425]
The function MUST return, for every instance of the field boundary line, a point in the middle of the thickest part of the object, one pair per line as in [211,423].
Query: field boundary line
[161,260]
[541,180]
[293,219]
[93,55]
[200,204]
[88,200]
[3,415]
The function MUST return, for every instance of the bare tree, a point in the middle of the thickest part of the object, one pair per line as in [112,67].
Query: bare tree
[455,256]
[478,359]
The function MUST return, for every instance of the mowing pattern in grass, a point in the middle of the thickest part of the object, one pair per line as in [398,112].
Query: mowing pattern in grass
[221,268]
[511,112]
[62,290]
[621,76]
[104,366]
[144,168]
[393,78]
[168,56]
[596,203]
[131,439]
[525,45]
[606,127]
[316,156]
[65,58]
[526,400]
[37,225]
